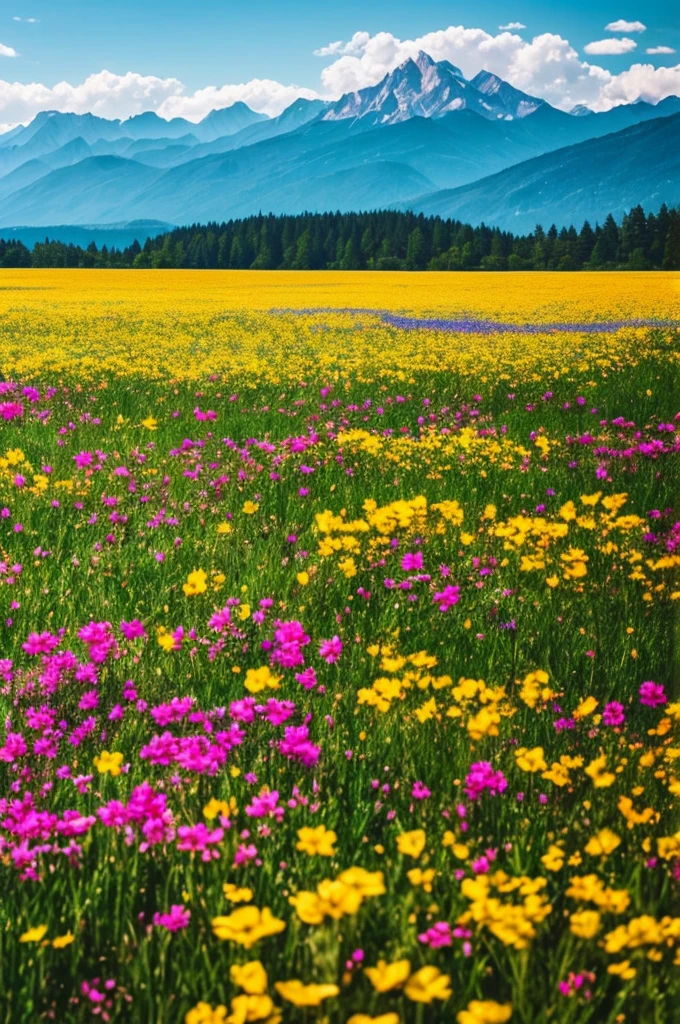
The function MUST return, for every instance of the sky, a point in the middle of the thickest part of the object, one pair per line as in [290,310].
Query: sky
[118,58]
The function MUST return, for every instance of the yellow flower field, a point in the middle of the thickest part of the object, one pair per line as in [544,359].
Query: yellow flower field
[339,672]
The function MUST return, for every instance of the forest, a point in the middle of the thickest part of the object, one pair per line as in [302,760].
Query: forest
[382,240]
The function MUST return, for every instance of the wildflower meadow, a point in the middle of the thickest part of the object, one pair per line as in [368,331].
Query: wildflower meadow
[340,648]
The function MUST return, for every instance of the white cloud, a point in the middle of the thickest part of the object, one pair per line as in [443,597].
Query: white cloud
[109,95]
[644,82]
[659,49]
[512,25]
[548,66]
[610,47]
[29,21]
[625,26]
[261,94]
[337,49]
[7,51]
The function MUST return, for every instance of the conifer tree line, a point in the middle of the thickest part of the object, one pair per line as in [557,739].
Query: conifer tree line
[383,240]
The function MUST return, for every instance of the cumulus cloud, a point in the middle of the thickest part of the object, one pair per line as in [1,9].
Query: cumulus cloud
[121,96]
[261,94]
[644,82]
[659,49]
[511,25]
[625,26]
[547,66]
[7,51]
[610,47]
[337,49]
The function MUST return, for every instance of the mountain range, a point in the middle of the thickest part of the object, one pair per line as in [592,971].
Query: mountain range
[424,138]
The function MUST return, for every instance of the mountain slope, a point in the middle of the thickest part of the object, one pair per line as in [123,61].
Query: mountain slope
[640,164]
[427,88]
[91,191]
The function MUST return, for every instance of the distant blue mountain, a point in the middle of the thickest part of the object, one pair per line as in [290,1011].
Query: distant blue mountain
[424,136]
[118,236]
[611,174]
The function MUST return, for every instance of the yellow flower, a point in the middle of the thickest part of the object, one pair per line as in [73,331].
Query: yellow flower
[298,994]
[531,760]
[348,567]
[367,883]
[585,708]
[251,977]
[247,925]
[224,527]
[245,1009]
[384,977]
[203,1013]
[411,844]
[428,984]
[214,807]
[485,1011]
[197,583]
[383,1018]
[418,878]
[236,894]
[623,970]
[63,940]
[262,678]
[602,844]
[250,507]
[34,934]
[317,841]
[150,423]
[552,581]
[108,762]
[553,859]
[585,924]
[303,578]
[484,723]
[601,778]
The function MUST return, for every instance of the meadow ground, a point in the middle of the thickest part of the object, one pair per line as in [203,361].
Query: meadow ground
[340,654]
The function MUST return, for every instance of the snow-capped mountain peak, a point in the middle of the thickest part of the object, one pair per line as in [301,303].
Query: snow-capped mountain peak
[423,87]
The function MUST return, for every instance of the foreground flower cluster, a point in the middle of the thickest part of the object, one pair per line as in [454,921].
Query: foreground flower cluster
[346,693]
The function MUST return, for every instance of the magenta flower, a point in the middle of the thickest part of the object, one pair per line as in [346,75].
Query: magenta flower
[652,694]
[482,777]
[613,713]
[330,650]
[175,920]
[412,561]
[447,598]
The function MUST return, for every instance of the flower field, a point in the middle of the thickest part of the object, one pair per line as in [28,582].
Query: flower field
[340,654]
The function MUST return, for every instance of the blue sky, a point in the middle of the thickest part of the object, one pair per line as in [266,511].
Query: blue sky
[212,44]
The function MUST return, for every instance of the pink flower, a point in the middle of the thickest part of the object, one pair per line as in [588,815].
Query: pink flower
[482,777]
[174,921]
[613,713]
[412,561]
[447,598]
[437,936]
[307,678]
[652,694]
[133,629]
[330,650]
